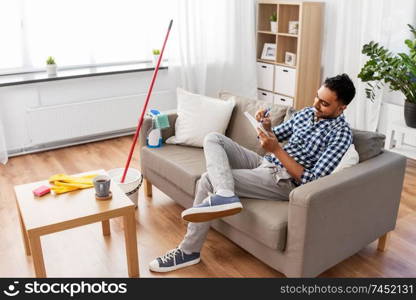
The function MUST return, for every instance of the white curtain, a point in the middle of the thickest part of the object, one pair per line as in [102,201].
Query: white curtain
[3,149]
[213,46]
[349,24]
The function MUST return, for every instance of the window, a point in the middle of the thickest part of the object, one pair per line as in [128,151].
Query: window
[80,32]
[10,35]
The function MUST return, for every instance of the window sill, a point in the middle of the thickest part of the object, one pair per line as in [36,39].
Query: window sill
[27,78]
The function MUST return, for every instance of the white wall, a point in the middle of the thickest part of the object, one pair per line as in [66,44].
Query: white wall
[396,14]
[111,102]
[17,102]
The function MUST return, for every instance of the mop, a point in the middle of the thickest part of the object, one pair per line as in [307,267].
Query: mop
[139,126]
[62,183]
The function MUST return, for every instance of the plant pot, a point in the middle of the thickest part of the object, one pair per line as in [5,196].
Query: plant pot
[51,69]
[410,114]
[273,26]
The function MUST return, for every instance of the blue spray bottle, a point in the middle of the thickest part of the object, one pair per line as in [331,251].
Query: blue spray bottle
[159,122]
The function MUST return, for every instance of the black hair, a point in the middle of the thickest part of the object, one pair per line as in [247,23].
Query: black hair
[343,86]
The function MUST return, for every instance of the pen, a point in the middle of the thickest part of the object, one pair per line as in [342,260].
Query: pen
[266,114]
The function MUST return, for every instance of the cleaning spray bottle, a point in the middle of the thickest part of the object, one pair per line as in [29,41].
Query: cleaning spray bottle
[159,122]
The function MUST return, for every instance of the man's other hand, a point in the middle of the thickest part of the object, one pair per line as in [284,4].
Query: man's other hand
[268,142]
[265,121]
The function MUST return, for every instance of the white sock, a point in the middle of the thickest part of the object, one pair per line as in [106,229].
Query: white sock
[225,193]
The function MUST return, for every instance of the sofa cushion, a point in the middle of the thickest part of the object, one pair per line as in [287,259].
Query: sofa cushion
[180,164]
[199,115]
[263,220]
[368,144]
[349,159]
[240,130]
[290,112]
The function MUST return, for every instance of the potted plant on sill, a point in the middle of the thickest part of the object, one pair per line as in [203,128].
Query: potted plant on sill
[156,54]
[273,22]
[51,66]
[398,71]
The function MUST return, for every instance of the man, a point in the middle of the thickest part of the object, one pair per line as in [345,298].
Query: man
[318,137]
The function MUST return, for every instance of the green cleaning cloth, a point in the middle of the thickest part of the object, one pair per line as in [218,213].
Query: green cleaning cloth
[161,121]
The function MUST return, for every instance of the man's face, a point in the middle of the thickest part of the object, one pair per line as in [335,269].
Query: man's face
[327,105]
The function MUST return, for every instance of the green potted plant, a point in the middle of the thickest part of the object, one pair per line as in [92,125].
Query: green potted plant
[398,71]
[273,22]
[51,66]
[156,54]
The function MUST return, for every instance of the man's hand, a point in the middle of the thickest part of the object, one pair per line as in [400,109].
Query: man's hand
[267,124]
[268,142]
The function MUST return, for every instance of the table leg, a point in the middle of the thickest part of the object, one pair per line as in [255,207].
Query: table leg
[129,222]
[147,187]
[106,227]
[37,255]
[24,233]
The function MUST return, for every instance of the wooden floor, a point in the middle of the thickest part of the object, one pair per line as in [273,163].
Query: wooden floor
[85,252]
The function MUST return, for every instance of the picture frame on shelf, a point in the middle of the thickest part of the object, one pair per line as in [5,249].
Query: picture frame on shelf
[293,27]
[269,51]
[290,58]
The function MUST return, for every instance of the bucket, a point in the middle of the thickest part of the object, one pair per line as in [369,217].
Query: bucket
[131,184]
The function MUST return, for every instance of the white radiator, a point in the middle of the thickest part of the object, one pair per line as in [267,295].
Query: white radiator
[89,118]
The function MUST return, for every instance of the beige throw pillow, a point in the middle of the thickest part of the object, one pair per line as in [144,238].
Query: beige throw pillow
[199,115]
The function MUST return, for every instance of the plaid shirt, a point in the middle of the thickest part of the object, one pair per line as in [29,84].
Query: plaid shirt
[317,145]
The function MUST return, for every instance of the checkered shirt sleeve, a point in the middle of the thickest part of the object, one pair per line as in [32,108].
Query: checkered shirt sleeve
[284,130]
[330,158]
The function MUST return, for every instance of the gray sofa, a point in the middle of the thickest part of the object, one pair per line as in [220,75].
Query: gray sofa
[324,221]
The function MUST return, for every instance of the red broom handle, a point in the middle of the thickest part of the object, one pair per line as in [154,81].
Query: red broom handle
[149,92]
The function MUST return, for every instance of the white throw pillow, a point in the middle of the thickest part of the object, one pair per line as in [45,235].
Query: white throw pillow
[349,159]
[199,115]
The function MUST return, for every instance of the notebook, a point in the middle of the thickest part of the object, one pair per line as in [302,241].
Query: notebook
[255,123]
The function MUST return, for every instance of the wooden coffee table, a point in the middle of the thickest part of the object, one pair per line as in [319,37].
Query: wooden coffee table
[53,213]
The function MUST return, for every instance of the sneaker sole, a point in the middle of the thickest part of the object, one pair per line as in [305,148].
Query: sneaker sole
[196,215]
[173,268]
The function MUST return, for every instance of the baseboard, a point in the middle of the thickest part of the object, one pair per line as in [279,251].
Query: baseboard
[70,142]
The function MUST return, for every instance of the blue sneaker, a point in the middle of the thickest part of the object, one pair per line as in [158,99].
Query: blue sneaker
[215,206]
[174,259]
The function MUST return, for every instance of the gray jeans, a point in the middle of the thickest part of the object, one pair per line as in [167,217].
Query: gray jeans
[235,168]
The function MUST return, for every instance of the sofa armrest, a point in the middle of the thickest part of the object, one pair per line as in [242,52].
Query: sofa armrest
[166,133]
[335,216]
[144,131]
